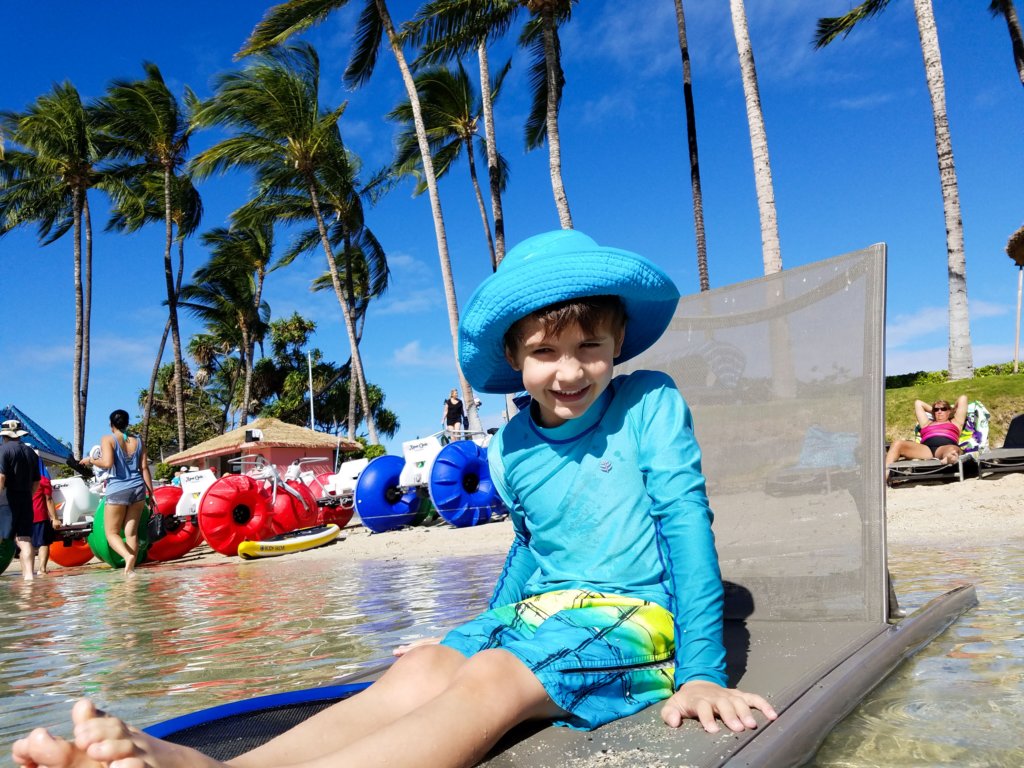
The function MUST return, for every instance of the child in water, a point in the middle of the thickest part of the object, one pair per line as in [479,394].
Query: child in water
[610,599]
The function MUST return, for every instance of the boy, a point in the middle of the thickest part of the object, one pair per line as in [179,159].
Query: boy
[613,552]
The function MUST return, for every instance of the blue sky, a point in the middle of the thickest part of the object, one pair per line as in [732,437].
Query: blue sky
[849,130]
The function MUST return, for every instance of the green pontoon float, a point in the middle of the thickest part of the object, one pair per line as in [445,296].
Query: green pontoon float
[785,378]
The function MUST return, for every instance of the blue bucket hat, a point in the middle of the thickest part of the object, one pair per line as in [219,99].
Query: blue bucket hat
[549,268]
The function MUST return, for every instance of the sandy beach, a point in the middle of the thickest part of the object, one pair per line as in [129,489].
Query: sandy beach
[941,516]
[946,515]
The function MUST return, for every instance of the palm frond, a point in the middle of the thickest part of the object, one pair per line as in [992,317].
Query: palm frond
[830,28]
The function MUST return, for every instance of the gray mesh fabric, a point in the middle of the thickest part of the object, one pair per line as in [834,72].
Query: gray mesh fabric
[784,378]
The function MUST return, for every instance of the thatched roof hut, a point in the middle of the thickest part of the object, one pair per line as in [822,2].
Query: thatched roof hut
[279,443]
[1015,247]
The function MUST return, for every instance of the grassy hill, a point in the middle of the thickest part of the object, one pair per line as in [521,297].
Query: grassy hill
[1001,392]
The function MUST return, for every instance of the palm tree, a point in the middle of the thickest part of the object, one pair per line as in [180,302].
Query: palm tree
[451,112]
[454,27]
[47,173]
[361,263]
[285,137]
[1008,11]
[771,251]
[227,292]
[366,272]
[150,132]
[139,200]
[691,141]
[288,18]
[961,363]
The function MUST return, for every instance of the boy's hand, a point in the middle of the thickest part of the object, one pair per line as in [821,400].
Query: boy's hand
[704,700]
[404,649]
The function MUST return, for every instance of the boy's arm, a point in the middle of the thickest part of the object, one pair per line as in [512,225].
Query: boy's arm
[670,459]
[520,563]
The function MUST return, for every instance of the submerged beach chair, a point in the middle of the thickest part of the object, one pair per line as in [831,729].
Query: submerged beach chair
[1009,458]
[973,440]
[806,601]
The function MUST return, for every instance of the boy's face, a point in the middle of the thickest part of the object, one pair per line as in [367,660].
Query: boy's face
[565,374]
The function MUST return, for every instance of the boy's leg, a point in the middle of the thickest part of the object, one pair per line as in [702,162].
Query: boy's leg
[412,681]
[491,693]
[44,559]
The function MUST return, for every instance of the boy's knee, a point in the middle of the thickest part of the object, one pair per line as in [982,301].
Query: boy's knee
[430,664]
[498,670]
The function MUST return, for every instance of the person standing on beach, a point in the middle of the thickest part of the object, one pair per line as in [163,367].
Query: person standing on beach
[454,412]
[127,487]
[44,518]
[611,598]
[19,477]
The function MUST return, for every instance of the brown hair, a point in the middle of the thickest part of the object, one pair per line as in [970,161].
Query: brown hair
[942,402]
[589,313]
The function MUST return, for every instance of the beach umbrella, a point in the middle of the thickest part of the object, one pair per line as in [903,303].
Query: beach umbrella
[1015,250]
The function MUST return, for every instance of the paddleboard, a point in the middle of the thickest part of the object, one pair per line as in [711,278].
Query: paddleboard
[293,541]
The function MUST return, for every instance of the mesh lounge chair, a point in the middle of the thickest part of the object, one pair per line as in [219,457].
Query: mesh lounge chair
[973,439]
[806,601]
[1009,458]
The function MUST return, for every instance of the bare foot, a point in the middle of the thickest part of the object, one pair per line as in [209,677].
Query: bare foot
[129,567]
[41,750]
[113,742]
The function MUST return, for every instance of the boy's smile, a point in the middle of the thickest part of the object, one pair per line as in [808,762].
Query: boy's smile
[565,374]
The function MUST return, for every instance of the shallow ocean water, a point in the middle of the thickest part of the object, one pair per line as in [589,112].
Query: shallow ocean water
[185,636]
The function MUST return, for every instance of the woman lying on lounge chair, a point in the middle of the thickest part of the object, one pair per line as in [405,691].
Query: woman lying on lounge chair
[940,433]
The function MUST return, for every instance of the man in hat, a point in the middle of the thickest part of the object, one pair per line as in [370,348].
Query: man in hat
[19,477]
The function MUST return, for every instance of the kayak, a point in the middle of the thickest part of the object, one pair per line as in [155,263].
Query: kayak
[293,541]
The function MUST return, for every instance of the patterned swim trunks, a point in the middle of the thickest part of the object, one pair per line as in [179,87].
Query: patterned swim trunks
[599,657]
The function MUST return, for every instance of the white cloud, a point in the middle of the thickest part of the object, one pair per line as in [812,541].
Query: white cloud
[911,360]
[866,102]
[903,329]
[413,355]
[421,301]
[981,309]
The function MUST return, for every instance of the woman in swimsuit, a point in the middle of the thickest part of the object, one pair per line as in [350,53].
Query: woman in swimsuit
[127,487]
[941,425]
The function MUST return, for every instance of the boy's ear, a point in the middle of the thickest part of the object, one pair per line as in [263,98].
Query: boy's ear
[512,361]
[619,339]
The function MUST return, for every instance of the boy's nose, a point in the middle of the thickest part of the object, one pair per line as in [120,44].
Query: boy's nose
[569,370]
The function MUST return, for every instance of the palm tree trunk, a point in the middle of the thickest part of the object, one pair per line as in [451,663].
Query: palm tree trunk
[1008,11]
[554,77]
[172,314]
[480,201]
[150,394]
[691,140]
[360,377]
[245,354]
[148,414]
[83,386]
[435,206]
[76,370]
[492,154]
[339,292]
[961,362]
[771,251]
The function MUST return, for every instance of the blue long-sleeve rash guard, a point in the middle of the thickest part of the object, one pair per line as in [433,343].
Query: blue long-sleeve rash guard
[615,502]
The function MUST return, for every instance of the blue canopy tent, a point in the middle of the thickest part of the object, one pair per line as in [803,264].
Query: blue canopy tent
[50,448]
